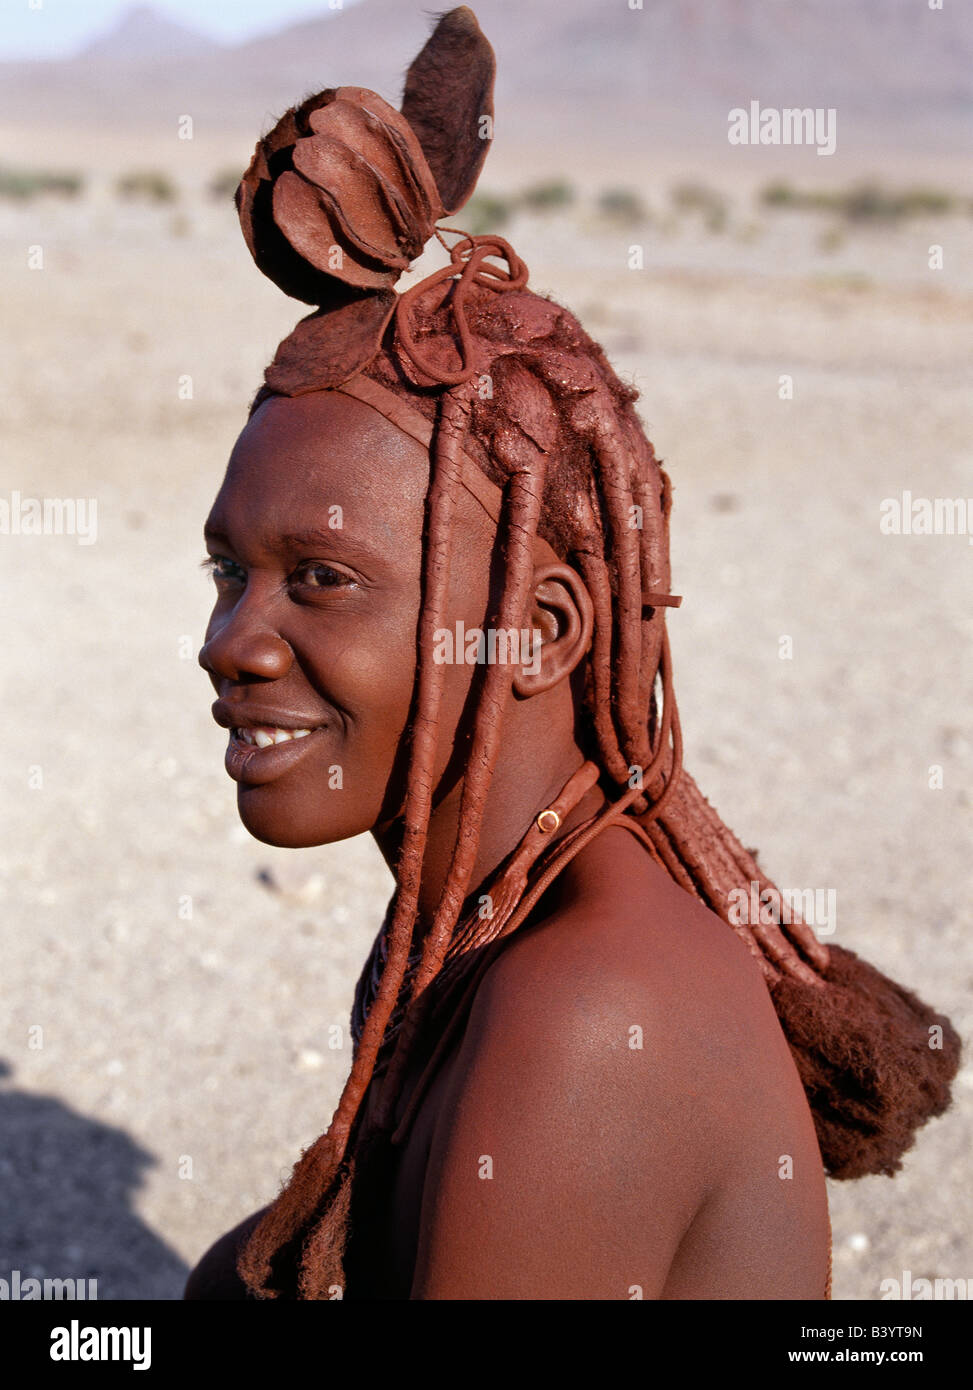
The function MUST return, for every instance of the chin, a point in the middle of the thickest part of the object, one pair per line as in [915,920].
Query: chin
[273,824]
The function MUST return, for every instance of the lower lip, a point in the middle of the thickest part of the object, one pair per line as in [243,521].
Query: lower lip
[245,762]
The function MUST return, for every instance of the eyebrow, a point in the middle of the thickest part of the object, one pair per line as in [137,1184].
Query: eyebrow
[332,537]
[318,535]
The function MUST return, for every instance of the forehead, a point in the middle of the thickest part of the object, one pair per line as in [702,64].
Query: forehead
[298,457]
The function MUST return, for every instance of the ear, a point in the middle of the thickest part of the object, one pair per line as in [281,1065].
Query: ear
[561,621]
[448,89]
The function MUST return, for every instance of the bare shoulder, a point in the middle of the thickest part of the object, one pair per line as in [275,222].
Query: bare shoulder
[625,1088]
[644,972]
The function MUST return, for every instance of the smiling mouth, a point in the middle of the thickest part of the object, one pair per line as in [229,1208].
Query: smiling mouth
[260,753]
[267,736]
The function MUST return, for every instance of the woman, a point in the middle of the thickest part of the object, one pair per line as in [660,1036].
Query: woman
[441,557]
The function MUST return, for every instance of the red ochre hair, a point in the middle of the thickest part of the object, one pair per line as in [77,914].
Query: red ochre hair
[339,197]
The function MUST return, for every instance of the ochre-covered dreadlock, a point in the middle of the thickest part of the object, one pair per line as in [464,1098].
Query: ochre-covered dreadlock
[509,379]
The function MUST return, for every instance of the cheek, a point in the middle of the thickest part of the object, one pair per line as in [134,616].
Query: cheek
[368,673]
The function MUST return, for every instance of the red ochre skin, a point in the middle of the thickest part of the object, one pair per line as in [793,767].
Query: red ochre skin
[551,1158]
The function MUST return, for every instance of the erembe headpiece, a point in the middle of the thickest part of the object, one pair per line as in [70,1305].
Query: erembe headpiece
[339,200]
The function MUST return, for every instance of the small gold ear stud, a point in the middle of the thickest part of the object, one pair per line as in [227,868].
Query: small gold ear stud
[548,820]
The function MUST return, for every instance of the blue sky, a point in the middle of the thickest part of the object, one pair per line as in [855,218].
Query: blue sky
[58,28]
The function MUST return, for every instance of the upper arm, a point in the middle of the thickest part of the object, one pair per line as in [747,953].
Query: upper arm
[215,1275]
[574,1144]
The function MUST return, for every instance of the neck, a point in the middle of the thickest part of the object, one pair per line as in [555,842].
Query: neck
[522,786]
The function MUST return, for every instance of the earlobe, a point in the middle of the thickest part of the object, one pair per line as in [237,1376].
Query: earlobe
[560,624]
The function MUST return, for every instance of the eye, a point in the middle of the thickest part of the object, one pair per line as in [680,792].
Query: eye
[315,574]
[224,571]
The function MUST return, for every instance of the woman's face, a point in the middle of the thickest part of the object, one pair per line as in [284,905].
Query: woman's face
[315,541]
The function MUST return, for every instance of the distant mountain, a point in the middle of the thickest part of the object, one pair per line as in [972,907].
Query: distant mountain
[570,71]
[143,34]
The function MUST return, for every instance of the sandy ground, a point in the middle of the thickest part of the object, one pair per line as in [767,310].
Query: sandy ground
[169,984]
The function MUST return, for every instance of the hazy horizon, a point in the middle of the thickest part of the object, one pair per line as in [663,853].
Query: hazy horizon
[58,30]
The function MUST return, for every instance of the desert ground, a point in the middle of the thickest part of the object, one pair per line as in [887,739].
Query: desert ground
[170,983]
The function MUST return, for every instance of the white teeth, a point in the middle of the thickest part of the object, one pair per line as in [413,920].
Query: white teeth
[266,737]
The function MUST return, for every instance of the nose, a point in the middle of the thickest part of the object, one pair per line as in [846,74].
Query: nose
[241,644]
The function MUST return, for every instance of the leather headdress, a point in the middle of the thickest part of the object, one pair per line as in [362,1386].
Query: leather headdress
[344,193]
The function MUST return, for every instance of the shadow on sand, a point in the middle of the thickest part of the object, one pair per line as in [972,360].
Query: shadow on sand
[66,1187]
